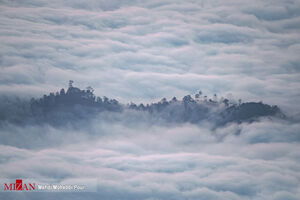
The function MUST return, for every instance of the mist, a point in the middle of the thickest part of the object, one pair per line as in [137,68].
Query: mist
[135,154]
[231,132]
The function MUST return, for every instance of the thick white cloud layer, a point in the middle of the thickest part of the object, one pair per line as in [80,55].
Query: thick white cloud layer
[137,50]
[142,51]
[246,161]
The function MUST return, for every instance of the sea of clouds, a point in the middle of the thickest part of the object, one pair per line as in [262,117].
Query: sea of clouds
[133,159]
[142,51]
[146,50]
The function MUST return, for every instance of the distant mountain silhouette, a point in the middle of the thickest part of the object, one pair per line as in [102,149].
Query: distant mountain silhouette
[71,105]
[249,112]
[82,104]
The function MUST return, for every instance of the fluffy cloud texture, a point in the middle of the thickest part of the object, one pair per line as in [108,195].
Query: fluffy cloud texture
[137,50]
[142,51]
[159,162]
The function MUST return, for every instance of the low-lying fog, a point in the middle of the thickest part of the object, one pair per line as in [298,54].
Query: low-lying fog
[132,158]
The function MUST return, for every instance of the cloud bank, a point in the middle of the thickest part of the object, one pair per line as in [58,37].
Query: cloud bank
[142,51]
[158,161]
[139,154]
